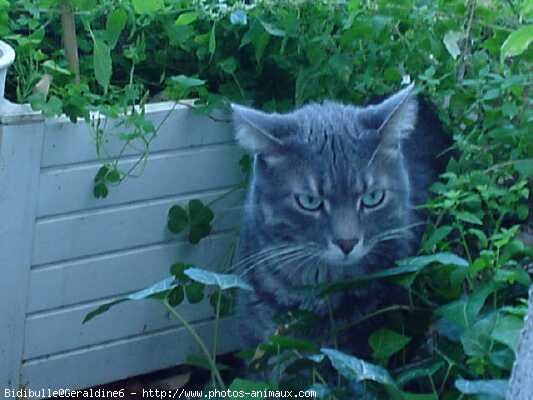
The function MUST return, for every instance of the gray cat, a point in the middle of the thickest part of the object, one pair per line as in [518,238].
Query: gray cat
[333,194]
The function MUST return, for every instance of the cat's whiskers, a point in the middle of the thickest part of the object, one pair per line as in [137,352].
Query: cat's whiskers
[251,257]
[269,257]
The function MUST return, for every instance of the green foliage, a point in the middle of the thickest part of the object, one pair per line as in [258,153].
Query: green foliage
[472,59]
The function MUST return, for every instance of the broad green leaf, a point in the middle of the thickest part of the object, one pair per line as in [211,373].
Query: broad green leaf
[451,40]
[187,18]
[517,42]
[385,343]
[175,296]
[355,369]
[493,387]
[199,213]
[507,330]
[198,232]
[116,21]
[223,281]
[178,219]
[102,64]
[147,6]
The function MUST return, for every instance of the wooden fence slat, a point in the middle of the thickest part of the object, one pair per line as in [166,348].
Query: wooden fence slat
[20,157]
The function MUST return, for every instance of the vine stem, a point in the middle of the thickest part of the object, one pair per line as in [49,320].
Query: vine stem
[199,341]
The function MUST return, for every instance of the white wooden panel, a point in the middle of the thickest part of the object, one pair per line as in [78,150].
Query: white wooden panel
[124,227]
[103,276]
[68,189]
[117,360]
[67,143]
[20,150]
[59,331]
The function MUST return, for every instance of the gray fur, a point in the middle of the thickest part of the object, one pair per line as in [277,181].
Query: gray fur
[337,153]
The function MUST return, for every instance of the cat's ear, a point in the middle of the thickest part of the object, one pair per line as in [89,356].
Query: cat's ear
[260,132]
[394,118]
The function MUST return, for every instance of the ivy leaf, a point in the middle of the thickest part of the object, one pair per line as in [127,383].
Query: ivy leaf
[178,219]
[147,6]
[223,281]
[357,370]
[116,21]
[199,213]
[102,63]
[495,387]
[385,343]
[517,42]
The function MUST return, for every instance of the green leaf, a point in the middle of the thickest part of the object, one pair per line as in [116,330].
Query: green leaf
[100,190]
[223,281]
[469,217]
[517,42]
[436,236]
[199,213]
[178,219]
[178,270]
[493,387]
[290,343]
[225,302]
[102,64]
[157,291]
[507,330]
[147,6]
[187,81]
[212,40]
[385,343]
[116,21]
[100,310]
[418,370]
[175,296]
[451,40]
[272,29]
[524,167]
[194,292]
[357,370]
[187,18]
[198,232]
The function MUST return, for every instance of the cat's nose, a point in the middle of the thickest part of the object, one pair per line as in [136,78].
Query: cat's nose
[346,245]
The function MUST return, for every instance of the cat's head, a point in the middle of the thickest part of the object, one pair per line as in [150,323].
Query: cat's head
[331,177]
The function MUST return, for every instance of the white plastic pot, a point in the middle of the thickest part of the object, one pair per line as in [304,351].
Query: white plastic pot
[7,56]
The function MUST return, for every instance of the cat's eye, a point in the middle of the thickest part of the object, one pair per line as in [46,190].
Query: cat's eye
[309,203]
[373,199]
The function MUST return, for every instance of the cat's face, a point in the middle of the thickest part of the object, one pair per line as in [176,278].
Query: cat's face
[331,178]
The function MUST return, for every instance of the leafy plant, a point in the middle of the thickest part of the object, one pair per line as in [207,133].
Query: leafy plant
[457,335]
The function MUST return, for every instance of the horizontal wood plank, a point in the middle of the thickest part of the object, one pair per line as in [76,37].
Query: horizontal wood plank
[64,330]
[125,358]
[67,143]
[69,189]
[119,228]
[93,278]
